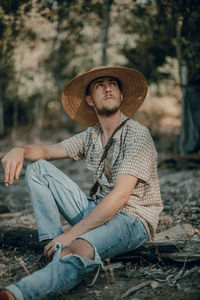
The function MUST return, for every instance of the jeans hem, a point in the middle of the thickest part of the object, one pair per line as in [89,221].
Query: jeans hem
[47,237]
[15,291]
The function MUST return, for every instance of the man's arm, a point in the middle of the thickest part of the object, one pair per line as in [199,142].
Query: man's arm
[102,213]
[12,162]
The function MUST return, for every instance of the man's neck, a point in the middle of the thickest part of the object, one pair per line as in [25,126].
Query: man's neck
[108,125]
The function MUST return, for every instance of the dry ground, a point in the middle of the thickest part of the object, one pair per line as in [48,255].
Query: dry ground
[181,197]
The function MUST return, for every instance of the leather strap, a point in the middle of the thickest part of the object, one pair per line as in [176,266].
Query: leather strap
[108,144]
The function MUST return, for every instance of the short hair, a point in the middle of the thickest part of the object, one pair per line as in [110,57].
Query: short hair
[89,85]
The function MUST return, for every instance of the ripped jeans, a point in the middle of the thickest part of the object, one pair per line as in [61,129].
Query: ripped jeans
[52,193]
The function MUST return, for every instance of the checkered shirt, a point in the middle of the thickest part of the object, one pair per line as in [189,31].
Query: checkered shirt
[134,153]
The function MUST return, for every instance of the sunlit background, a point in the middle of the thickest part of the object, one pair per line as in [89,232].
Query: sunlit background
[46,43]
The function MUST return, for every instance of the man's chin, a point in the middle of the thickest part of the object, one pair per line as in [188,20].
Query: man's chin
[108,112]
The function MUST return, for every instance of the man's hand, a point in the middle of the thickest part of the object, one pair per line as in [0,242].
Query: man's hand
[12,163]
[64,238]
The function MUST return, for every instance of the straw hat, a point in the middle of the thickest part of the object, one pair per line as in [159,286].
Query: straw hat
[133,87]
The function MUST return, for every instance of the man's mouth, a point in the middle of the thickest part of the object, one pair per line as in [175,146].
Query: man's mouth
[108,97]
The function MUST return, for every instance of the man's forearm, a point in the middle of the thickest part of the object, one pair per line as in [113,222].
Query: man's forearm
[12,162]
[35,152]
[51,152]
[108,207]
[101,214]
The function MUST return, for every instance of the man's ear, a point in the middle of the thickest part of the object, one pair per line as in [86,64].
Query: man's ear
[89,101]
[121,97]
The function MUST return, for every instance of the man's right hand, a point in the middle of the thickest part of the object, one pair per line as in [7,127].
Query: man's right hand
[12,163]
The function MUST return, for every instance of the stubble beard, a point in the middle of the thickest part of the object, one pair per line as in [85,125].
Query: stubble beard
[108,111]
[105,112]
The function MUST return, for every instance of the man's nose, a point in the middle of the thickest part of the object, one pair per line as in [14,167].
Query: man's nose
[108,89]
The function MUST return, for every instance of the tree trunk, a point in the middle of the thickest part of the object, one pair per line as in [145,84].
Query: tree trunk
[1,118]
[108,4]
[183,82]
[55,56]
[189,137]
[15,120]
[38,119]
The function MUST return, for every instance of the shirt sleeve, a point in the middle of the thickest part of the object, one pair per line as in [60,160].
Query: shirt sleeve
[74,146]
[139,156]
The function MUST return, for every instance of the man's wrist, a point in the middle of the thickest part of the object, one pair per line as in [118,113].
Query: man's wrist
[21,148]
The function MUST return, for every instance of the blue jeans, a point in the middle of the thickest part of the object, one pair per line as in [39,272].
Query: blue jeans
[52,193]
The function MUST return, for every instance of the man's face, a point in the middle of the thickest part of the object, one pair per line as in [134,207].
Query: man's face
[105,96]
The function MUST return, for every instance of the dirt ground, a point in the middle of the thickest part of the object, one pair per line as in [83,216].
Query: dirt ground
[179,181]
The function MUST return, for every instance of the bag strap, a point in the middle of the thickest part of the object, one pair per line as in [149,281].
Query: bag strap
[108,144]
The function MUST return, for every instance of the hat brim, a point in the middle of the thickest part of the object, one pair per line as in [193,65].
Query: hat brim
[133,86]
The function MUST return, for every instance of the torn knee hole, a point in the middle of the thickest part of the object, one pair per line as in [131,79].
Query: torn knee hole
[82,248]
[65,251]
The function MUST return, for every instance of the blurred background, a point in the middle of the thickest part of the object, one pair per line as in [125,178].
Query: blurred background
[45,43]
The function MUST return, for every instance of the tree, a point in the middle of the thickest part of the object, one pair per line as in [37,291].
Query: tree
[11,26]
[163,29]
[68,48]
[108,4]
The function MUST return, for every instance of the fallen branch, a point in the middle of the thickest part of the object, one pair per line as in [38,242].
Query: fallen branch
[153,283]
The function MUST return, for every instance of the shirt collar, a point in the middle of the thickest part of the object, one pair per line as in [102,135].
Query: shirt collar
[97,129]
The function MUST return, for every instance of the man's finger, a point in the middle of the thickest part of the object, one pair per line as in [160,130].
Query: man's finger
[47,248]
[12,173]
[18,170]
[6,167]
[51,251]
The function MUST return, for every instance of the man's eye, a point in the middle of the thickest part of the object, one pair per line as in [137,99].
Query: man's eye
[113,83]
[99,84]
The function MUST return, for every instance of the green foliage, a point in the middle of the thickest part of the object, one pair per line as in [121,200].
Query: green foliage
[71,18]
[70,41]
[153,26]
[11,27]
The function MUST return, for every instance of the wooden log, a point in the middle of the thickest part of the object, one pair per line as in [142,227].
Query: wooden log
[176,244]
[187,250]
[180,162]
[177,232]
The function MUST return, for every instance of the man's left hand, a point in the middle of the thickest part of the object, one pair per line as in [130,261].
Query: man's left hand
[50,248]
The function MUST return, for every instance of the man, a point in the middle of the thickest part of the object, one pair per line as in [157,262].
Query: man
[123,208]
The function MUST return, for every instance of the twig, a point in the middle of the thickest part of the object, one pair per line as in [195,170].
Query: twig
[22,264]
[113,266]
[139,286]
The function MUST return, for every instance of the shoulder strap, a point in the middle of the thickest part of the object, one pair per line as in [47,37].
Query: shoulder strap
[109,143]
